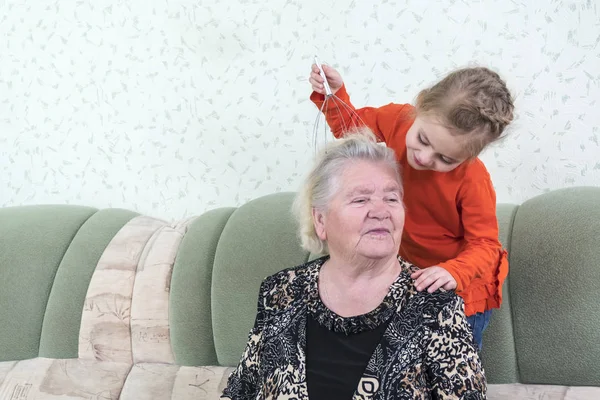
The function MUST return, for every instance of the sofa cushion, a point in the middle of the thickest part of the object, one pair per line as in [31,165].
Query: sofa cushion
[519,391]
[5,368]
[105,333]
[62,319]
[126,311]
[150,325]
[64,379]
[554,296]
[166,382]
[258,240]
[189,304]
[34,241]
[499,355]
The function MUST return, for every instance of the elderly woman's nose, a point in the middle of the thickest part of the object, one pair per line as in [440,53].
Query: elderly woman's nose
[379,209]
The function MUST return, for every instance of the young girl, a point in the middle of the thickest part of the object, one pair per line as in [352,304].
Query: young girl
[451,230]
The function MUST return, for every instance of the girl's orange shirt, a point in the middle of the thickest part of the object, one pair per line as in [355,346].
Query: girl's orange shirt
[450,217]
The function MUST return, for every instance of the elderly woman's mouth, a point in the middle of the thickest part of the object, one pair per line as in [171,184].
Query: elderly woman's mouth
[378,231]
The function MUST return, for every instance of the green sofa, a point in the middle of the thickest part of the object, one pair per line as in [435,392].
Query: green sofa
[110,304]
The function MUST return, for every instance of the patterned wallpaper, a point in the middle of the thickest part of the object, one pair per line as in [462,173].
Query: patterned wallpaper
[174,107]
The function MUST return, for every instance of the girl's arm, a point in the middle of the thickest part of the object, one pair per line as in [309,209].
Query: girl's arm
[342,116]
[480,256]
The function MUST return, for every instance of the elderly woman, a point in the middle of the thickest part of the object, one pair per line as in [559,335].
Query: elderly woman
[351,325]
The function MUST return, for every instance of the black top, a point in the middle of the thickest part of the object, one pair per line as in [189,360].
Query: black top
[426,352]
[335,362]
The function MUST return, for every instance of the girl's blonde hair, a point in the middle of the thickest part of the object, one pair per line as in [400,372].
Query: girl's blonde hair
[472,101]
[323,180]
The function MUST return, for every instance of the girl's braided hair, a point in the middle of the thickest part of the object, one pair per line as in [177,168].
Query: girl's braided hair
[471,101]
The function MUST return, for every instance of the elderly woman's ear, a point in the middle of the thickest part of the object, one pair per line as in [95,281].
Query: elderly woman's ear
[319,222]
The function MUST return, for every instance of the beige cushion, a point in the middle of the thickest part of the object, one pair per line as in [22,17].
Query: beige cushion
[519,391]
[75,379]
[45,378]
[173,382]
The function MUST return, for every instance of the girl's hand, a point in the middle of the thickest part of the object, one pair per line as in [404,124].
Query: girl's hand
[333,78]
[433,278]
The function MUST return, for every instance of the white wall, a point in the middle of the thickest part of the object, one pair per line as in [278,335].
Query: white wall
[174,107]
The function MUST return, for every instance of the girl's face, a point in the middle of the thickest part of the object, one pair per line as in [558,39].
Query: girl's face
[431,146]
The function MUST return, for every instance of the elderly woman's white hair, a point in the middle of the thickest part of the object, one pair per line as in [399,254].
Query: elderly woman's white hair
[322,182]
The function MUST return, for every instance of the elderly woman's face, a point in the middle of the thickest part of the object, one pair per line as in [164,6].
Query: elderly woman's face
[366,215]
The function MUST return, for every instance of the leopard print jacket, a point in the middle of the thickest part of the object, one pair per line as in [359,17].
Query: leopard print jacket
[426,352]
